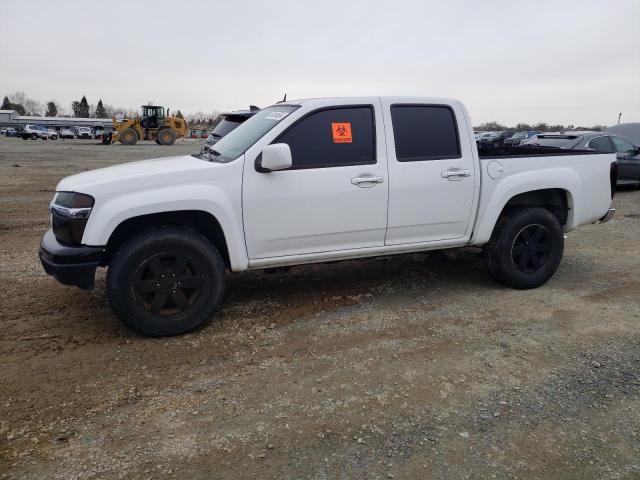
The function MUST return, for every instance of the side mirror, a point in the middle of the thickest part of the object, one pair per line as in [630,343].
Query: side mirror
[274,157]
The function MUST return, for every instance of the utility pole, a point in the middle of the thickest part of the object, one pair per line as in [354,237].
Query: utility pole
[619,116]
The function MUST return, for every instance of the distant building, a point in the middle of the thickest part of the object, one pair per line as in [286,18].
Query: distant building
[10,118]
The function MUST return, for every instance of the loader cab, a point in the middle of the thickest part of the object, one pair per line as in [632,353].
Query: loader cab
[152,116]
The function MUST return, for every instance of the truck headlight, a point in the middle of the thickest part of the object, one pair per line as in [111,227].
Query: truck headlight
[69,214]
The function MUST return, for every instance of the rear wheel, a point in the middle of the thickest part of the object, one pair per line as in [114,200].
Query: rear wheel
[166,136]
[525,248]
[129,136]
[166,282]
[34,136]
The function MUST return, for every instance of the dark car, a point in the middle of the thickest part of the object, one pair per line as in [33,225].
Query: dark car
[520,137]
[628,155]
[496,139]
[230,121]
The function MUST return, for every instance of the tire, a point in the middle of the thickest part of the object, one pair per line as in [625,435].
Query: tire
[525,248]
[129,136]
[34,136]
[54,137]
[166,136]
[156,305]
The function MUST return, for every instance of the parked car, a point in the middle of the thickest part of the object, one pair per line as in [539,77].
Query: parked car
[519,137]
[11,132]
[628,155]
[3,131]
[67,133]
[316,180]
[229,122]
[34,132]
[83,132]
[52,134]
[495,139]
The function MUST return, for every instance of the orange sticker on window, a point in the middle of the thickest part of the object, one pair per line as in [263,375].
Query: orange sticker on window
[341,132]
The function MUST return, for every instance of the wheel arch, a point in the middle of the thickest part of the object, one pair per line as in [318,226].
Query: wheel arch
[559,200]
[556,200]
[197,220]
[171,205]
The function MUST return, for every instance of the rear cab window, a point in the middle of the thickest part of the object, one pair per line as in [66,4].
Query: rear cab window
[424,132]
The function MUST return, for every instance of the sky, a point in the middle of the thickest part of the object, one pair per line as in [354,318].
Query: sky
[562,61]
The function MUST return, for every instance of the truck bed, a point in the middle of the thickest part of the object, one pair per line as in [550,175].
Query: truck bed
[488,153]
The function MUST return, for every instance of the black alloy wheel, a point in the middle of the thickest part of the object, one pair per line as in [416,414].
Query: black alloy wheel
[525,248]
[168,283]
[531,248]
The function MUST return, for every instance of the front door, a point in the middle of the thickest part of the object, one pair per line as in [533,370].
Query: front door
[432,173]
[628,159]
[334,197]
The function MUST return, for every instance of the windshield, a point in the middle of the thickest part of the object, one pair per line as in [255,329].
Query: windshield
[239,140]
[227,125]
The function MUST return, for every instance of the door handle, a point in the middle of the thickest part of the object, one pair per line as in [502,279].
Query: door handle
[366,180]
[455,174]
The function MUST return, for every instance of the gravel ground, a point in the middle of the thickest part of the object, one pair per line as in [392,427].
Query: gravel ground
[414,366]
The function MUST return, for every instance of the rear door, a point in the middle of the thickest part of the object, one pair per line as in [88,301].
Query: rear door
[432,172]
[334,197]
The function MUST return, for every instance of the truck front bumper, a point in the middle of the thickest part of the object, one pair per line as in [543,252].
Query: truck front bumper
[70,264]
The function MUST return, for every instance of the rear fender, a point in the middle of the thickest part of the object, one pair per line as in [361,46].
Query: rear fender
[561,178]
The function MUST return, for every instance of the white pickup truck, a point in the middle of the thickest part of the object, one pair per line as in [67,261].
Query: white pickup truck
[317,180]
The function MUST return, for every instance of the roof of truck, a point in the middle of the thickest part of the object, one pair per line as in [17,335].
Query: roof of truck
[404,99]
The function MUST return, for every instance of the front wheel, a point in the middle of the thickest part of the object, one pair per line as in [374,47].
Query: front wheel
[166,282]
[166,136]
[129,136]
[525,248]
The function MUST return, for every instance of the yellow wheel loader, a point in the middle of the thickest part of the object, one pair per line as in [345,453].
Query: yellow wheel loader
[153,125]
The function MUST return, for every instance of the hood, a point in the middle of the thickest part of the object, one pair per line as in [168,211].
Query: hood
[137,175]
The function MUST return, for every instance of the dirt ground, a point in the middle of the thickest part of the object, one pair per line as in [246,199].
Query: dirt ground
[415,366]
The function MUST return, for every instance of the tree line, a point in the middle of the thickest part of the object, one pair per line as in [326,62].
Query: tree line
[81,108]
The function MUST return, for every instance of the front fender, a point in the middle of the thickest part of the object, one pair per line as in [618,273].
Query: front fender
[505,189]
[111,212]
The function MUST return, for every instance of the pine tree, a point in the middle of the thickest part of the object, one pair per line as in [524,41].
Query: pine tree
[75,107]
[84,108]
[6,104]
[52,110]
[178,115]
[100,110]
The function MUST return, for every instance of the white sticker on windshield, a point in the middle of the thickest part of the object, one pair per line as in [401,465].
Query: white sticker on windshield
[276,115]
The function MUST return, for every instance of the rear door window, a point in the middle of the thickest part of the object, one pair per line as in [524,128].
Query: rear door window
[335,137]
[424,132]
